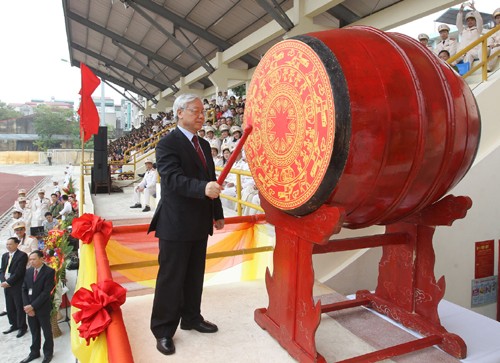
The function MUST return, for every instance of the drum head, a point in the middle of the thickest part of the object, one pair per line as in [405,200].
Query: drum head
[298,105]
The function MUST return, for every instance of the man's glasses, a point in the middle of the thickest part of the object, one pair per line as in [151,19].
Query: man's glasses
[195,111]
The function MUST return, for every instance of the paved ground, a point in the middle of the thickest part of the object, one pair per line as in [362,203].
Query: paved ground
[13,349]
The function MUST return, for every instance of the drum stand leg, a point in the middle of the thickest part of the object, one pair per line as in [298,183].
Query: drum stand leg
[292,318]
[407,290]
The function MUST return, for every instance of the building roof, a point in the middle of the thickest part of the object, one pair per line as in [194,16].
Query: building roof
[146,46]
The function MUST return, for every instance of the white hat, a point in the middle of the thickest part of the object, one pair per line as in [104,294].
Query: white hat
[224,127]
[235,129]
[226,146]
[21,191]
[496,13]
[41,191]
[17,210]
[423,36]
[209,129]
[443,27]
[214,145]
[470,14]
[21,199]
[148,160]
[19,224]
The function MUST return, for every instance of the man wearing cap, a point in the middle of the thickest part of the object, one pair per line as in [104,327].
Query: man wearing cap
[17,216]
[27,244]
[12,273]
[146,186]
[494,42]
[40,206]
[424,40]
[22,194]
[470,33]
[445,43]
[22,205]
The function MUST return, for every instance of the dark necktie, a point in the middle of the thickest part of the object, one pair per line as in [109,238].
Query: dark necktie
[35,275]
[199,151]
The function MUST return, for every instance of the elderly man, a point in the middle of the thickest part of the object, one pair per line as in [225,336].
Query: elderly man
[27,244]
[12,273]
[39,207]
[146,186]
[186,215]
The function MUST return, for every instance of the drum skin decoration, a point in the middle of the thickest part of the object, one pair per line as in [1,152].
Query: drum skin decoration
[358,118]
[354,127]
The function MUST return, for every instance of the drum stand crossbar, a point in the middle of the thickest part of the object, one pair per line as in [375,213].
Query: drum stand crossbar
[407,291]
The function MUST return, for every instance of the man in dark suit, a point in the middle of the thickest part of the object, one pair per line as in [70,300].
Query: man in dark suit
[188,210]
[37,287]
[12,273]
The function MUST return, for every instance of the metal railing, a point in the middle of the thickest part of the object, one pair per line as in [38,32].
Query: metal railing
[483,40]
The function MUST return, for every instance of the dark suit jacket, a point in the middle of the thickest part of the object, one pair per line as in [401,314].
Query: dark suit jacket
[42,287]
[17,268]
[184,213]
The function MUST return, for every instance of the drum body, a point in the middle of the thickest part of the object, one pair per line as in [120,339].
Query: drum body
[369,121]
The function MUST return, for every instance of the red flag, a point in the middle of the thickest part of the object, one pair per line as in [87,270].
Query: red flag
[89,118]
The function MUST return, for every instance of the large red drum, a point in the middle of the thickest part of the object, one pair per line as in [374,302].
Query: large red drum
[355,117]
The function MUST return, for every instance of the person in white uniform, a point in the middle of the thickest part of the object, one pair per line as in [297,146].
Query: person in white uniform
[39,207]
[494,42]
[470,33]
[445,43]
[146,186]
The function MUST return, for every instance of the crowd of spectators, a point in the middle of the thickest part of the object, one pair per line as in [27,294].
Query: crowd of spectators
[469,32]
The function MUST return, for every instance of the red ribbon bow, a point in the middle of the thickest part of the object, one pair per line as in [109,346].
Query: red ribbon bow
[88,224]
[95,307]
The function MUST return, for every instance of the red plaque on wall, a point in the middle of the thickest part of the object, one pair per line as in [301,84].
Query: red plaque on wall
[485,259]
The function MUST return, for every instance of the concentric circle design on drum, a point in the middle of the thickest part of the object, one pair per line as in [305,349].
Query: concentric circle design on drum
[292,111]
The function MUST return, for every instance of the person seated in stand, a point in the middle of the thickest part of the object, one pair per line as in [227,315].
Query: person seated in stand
[49,223]
[214,147]
[146,186]
[424,40]
[445,55]
[494,42]
[445,43]
[469,33]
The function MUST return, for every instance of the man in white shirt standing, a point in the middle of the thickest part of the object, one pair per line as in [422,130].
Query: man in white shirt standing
[39,207]
[470,33]
[146,186]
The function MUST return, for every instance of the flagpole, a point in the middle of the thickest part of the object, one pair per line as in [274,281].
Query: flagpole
[82,192]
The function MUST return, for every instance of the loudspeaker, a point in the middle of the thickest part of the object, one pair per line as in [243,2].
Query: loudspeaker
[101,139]
[100,170]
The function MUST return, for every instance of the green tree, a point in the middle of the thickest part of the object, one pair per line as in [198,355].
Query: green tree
[240,90]
[50,122]
[7,112]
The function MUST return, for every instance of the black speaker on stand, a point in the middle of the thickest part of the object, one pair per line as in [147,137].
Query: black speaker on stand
[101,177]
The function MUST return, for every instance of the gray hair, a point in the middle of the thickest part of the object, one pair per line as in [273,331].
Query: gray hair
[182,101]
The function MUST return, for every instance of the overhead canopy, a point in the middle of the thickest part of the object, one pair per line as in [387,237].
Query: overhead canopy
[146,46]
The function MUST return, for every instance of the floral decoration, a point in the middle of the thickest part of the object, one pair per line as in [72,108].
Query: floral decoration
[56,249]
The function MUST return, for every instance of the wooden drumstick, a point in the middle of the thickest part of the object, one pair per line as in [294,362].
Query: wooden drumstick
[233,156]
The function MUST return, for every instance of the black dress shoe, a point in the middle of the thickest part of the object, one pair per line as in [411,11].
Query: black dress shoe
[136,205]
[47,359]
[3,313]
[10,330]
[203,326]
[29,358]
[21,333]
[165,346]
[146,209]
